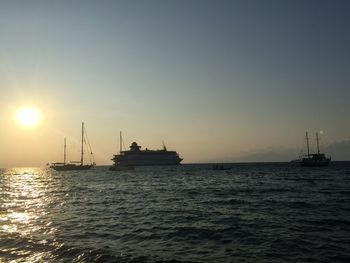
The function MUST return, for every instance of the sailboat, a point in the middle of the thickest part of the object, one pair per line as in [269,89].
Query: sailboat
[74,165]
[314,159]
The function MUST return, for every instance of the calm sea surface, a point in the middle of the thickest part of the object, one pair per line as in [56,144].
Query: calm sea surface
[189,213]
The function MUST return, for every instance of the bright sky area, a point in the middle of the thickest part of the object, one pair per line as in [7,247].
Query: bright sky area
[214,80]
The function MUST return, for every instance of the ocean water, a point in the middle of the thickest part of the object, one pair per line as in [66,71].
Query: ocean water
[188,213]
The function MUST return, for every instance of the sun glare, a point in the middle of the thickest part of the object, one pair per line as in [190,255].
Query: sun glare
[28,116]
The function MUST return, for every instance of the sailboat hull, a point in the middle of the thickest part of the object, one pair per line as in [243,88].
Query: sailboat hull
[70,167]
[314,163]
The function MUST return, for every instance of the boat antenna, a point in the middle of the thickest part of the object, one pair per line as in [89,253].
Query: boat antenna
[307,144]
[120,141]
[64,151]
[82,144]
[318,145]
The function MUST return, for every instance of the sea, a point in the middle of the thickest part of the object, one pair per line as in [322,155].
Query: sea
[254,212]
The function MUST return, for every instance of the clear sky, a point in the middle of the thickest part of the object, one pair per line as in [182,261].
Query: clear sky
[213,79]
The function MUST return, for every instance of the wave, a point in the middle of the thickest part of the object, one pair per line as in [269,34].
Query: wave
[15,248]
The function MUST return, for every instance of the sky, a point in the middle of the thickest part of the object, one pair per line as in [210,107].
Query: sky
[214,80]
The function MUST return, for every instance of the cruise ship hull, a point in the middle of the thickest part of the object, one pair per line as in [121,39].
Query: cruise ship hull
[146,158]
[143,162]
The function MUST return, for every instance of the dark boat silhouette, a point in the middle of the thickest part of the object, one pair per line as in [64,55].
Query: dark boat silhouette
[137,157]
[221,166]
[74,165]
[314,159]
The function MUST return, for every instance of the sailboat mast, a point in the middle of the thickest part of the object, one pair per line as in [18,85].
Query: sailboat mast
[64,151]
[318,145]
[82,144]
[307,144]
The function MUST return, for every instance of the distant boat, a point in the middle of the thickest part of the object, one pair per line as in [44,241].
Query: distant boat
[74,165]
[221,166]
[313,159]
[137,157]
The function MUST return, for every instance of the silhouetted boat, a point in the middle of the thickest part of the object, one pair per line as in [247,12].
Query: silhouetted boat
[74,165]
[314,159]
[221,166]
[137,157]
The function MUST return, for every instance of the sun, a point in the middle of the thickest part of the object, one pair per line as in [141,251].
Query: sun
[28,116]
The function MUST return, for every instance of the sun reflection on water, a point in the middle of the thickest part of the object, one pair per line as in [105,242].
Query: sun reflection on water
[24,215]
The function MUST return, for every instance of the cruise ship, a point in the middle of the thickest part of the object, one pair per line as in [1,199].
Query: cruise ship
[137,157]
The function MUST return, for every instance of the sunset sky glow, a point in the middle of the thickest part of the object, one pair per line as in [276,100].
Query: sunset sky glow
[214,80]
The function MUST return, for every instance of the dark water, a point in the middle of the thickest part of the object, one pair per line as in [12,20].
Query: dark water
[189,213]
